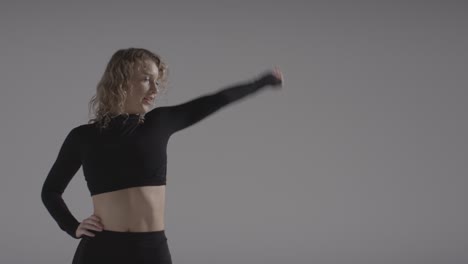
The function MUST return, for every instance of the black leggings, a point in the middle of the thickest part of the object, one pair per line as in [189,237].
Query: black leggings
[123,248]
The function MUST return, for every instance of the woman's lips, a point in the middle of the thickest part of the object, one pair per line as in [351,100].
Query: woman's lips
[148,100]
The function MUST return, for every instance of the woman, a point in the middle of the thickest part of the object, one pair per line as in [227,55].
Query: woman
[123,154]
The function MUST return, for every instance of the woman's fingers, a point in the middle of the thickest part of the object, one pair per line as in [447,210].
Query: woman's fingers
[278,73]
[95,222]
[95,217]
[91,223]
[278,76]
[92,226]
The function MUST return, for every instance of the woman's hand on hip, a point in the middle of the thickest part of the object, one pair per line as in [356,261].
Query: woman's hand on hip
[91,223]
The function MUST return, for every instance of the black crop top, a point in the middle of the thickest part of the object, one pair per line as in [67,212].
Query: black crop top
[128,153]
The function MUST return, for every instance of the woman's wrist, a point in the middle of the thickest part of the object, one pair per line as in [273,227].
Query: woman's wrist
[268,79]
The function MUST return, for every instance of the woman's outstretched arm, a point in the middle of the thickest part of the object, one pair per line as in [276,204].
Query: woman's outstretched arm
[64,168]
[178,117]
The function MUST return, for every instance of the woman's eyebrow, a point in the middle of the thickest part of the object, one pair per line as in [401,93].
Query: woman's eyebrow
[147,73]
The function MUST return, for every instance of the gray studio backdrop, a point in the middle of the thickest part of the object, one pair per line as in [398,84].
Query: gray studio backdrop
[361,158]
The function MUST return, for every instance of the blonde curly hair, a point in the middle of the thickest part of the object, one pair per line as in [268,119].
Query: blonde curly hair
[111,90]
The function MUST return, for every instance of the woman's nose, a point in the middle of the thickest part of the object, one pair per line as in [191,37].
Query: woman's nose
[154,86]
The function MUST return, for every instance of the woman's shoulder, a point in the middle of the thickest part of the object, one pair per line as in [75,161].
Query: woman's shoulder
[82,129]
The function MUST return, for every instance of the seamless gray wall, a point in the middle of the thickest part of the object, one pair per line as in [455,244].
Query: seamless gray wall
[360,158]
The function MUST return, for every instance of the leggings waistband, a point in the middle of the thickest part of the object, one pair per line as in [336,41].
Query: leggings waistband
[133,238]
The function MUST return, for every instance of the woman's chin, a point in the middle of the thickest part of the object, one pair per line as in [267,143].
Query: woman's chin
[146,108]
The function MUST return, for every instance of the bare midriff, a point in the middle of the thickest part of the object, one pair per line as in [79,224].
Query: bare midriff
[135,209]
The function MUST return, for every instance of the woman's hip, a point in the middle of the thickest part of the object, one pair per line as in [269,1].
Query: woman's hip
[123,247]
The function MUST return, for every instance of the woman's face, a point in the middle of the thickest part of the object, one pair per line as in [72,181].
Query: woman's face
[143,87]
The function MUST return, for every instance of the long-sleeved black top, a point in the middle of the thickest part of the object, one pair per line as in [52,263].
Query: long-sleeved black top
[129,153]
